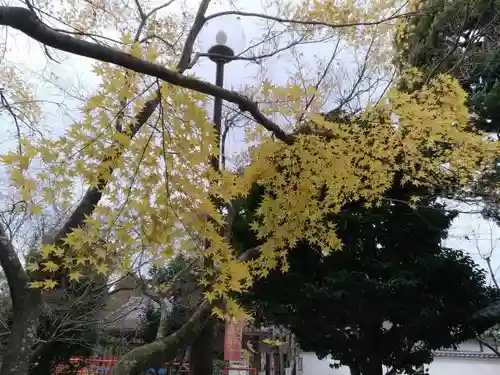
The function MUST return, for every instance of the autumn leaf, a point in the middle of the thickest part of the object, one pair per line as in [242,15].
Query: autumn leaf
[50,266]
[75,275]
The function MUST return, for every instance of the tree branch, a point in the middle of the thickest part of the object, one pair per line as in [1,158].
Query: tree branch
[155,354]
[394,16]
[17,277]
[25,21]
[198,23]
[492,311]
[94,194]
[488,345]
[249,254]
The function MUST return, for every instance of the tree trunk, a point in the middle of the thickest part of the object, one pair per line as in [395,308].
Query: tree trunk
[371,368]
[354,370]
[201,353]
[164,315]
[23,335]
[155,354]
[42,365]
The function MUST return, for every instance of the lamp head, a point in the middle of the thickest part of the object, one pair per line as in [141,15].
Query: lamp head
[223,38]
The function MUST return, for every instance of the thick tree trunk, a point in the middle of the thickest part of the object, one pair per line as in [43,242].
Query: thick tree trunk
[354,370]
[201,351]
[25,306]
[23,335]
[155,354]
[371,368]
[42,365]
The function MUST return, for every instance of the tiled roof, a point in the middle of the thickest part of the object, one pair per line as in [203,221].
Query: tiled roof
[128,317]
[464,354]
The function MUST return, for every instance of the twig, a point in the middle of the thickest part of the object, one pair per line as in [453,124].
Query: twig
[312,22]
[488,345]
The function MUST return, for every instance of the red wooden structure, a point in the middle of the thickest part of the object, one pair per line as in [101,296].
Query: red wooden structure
[103,365]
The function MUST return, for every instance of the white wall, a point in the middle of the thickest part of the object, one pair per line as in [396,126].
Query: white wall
[464,366]
[311,365]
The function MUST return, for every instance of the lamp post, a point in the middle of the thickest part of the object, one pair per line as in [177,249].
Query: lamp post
[220,54]
[225,39]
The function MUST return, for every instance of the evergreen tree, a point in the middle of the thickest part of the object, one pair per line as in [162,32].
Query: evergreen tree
[461,38]
[392,294]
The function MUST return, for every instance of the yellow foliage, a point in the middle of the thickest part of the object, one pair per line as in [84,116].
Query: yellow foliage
[158,190]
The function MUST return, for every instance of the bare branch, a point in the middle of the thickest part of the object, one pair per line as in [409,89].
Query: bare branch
[488,345]
[5,104]
[491,311]
[94,194]
[23,20]
[199,21]
[312,22]
[140,10]
[145,17]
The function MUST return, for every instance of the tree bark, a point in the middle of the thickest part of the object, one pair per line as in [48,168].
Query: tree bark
[201,351]
[354,370]
[25,305]
[371,367]
[23,335]
[155,354]
[42,364]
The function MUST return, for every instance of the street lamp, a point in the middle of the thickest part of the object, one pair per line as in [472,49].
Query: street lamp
[222,38]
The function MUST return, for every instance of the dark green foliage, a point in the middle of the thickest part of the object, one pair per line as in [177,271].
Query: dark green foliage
[462,38]
[180,311]
[151,321]
[392,268]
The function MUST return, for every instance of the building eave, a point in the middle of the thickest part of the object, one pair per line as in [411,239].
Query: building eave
[464,354]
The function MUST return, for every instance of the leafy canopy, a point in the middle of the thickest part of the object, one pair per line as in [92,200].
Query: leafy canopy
[156,184]
[159,184]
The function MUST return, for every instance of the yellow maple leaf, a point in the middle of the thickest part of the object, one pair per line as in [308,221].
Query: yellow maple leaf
[210,296]
[80,260]
[49,284]
[101,268]
[75,275]
[36,284]
[47,249]
[217,312]
[100,253]
[31,267]
[22,161]
[50,266]
[127,39]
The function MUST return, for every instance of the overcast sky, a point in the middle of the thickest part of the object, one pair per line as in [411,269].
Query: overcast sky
[73,77]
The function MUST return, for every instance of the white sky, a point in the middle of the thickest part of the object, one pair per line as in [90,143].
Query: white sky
[73,75]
